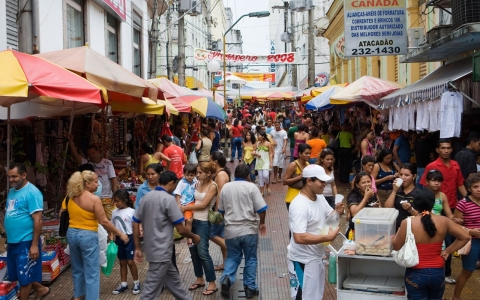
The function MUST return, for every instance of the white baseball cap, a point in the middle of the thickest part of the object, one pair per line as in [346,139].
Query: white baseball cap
[315,171]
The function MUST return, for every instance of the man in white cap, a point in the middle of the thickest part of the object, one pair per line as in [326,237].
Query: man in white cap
[307,215]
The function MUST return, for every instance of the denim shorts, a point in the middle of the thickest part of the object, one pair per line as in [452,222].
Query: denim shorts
[425,284]
[125,251]
[20,267]
[217,230]
[469,262]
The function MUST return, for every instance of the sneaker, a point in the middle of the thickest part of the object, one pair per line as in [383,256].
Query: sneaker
[136,289]
[450,280]
[120,289]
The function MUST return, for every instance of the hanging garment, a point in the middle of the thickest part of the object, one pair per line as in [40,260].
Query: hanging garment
[423,117]
[451,114]
[433,108]
[391,112]
[411,116]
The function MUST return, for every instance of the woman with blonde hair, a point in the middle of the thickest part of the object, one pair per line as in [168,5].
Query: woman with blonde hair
[206,191]
[86,212]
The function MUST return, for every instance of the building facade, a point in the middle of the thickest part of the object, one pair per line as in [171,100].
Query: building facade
[117,29]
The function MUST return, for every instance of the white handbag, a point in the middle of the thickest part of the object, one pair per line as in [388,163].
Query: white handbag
[407,256]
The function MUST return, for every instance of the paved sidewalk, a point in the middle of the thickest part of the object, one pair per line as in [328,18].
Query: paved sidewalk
[273,277]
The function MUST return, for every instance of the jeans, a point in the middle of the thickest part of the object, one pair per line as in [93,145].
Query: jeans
[237,146]
[245,245]
[291,154]
[420,172]
[201,259]
[85,261]
[252,170]
[425,284]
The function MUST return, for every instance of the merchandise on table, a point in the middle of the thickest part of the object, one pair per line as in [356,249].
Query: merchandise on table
[9,290]
[374,231]
[50,269]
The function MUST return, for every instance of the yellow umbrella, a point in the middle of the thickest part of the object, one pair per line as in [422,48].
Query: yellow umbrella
[147,106]
[169,106]
[317,91]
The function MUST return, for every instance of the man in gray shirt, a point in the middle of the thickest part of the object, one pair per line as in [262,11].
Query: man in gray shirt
[240,202]
[159,212]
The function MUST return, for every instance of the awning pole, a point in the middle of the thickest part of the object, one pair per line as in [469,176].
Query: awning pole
[72,115]
[464,95]
[9,144]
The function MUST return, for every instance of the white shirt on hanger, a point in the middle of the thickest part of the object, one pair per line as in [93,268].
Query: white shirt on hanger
[451,111]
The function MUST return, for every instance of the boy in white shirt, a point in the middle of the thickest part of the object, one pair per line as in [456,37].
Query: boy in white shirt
[185,193]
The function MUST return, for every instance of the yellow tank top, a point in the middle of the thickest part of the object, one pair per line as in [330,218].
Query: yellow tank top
[293,192]
[248,155]
[80,218]
[151,160]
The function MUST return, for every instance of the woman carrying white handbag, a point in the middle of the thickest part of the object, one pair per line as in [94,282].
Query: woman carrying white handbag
[425,280]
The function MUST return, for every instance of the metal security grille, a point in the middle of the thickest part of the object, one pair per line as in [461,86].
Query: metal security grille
[464,12]
[12,26]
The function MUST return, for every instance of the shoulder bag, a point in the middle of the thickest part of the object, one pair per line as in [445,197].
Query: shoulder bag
[407,256]
[215,217]
[64,220]
[298,184]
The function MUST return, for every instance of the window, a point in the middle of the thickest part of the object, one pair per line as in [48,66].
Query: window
[12,27]
[137,49]
[75,35]
[112,38]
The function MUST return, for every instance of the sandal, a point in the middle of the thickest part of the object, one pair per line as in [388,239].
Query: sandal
[218,268]
[195,286]
[210,292]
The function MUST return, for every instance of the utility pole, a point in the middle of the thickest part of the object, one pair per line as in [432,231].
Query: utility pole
[153,41]
[294,49]
[25,34]
[169,43]
[181,52]
[209,37]
[311,49]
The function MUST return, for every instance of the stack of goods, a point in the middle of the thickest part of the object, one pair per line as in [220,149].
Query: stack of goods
[50,266]
[56,245]
[8,290]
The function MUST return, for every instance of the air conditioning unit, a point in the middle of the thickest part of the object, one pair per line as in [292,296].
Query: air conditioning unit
[190,6]
[415,37]
[291,5]
[197,9]
[300,5]
[215,46]
[438,32]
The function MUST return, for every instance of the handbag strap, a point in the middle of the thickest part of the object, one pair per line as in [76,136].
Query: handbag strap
[409,229]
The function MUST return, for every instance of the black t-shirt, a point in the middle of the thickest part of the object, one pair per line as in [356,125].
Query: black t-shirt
[354,199]
[400,196]
[422,149]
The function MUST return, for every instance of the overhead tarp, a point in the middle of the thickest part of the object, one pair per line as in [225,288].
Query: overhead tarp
[431,86]
[322,101]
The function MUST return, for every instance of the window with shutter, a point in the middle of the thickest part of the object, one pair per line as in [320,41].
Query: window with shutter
[12,25]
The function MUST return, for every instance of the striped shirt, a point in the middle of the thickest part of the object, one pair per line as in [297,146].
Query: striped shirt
[471,213]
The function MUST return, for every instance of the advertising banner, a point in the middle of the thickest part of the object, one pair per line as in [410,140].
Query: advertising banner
[265,77]
[118,7]
[375,27]
[283,58]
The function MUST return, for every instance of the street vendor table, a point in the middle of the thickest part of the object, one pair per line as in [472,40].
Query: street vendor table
[368,277]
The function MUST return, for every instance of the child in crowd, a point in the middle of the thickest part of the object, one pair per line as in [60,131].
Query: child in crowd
[368,162]
[185,193]
[122,220]
[434,182]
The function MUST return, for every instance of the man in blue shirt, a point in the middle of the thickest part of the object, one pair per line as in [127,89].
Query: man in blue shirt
[23,225]
[401,149]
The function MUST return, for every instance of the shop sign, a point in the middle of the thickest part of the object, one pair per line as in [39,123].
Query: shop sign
[340,47]
[272,52]
[375,27]
[281,58]
[118,7]
[321,79]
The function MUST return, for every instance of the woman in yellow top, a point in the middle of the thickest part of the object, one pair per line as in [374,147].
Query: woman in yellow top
[249,146]
[150,157]
[293,173]
[86,212]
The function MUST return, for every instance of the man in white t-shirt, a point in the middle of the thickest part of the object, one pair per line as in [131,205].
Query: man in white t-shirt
[307,215]
[103,168]
[280,138]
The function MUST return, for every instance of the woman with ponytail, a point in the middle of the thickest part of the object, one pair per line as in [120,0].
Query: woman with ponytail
[427,279]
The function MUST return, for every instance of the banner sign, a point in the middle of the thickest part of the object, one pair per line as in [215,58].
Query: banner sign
[265,77]
[282,58]
[117,7]
[375,27]
[340,47]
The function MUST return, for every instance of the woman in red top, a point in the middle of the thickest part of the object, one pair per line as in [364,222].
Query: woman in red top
[427,279]
[236,134]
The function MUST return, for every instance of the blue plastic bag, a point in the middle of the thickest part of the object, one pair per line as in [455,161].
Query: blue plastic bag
[112,251]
